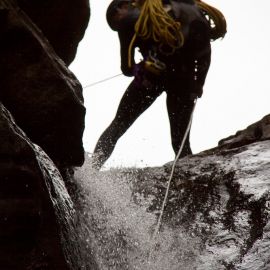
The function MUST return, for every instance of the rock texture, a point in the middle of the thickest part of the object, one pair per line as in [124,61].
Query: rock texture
[42,95]
[41,110]
[37,218]
[216,217]
[255,132]
[222,197]
[62,22]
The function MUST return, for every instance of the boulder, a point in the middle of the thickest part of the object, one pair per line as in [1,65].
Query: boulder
[221,197]
[37,218]
[255,132]
[43,96]
[38,221]
[63,23]
[216,216]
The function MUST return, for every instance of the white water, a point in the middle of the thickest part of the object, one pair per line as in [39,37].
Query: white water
[119,231]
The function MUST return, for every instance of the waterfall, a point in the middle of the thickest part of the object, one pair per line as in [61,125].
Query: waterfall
[118,225]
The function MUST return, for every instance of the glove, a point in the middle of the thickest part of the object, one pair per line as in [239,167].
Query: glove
[142,76]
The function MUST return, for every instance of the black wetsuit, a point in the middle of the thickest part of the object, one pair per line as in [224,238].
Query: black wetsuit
[182,81]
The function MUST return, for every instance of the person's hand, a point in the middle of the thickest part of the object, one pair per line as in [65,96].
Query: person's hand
[141,75]
[138,69]
[196,91]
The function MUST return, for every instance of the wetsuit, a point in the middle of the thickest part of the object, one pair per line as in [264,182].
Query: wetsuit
[182,80]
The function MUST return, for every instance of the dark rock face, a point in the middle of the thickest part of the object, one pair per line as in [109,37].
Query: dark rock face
[38,222]
[221,197]
[37,218]
[255,132]
[63,22]
[42,95]
[216,217]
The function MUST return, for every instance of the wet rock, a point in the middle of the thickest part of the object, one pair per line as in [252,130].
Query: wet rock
[42,95]
[255,132]
[37,218]
[221,197]
[216,216]
[63,22]
[38,223]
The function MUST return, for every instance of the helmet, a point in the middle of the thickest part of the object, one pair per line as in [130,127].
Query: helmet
[112,14]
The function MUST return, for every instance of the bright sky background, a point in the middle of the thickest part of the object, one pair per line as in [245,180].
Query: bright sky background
[236,93]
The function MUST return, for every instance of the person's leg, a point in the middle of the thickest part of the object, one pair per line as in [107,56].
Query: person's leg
[179,111]
[133,103]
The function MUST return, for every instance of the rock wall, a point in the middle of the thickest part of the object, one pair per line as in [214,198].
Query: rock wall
[43,96]
[41,110]
[216,217]
[62,22]
[255,132]
[37,217]
[220,196]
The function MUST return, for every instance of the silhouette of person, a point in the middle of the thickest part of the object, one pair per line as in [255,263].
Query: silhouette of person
[176,63]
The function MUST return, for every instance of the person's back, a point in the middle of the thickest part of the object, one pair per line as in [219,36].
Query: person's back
[122,17]
[196,35]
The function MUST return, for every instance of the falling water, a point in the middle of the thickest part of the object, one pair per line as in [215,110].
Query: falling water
[118,229]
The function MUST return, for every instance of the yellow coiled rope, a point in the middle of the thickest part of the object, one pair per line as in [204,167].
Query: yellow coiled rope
[156,24]
[216,19]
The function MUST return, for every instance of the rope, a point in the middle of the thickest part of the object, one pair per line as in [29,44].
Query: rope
[216,18]
[170,178]
[156,24]
[101,81]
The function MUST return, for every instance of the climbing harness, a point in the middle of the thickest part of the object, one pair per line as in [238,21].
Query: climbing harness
[170,179]
[101,81]
[154,65]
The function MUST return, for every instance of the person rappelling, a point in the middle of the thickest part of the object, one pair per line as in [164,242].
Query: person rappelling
[173,37]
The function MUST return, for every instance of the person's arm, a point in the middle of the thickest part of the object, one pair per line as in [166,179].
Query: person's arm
[125,38]
[126,33]
[201,67]
[122,17]
[197,69]
[200,52]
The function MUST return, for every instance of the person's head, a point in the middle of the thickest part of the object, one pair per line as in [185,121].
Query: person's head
[117,10]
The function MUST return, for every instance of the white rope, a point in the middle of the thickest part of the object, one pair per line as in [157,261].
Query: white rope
[101,81]
[170,178]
